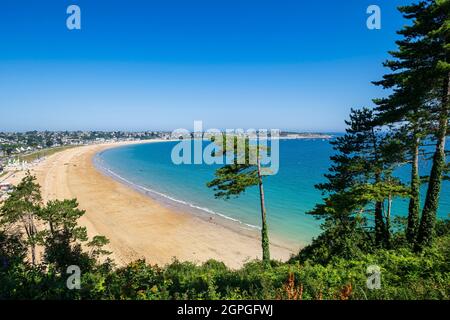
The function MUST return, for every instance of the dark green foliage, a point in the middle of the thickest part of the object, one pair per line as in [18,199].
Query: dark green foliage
[437,34]
[419,104]
[62,241]
[404,275]
[347,241]
[135,281]
[12,250]
[59,237]
[333,267]
[21,211]
[360,185]
[232,180]
[360,180]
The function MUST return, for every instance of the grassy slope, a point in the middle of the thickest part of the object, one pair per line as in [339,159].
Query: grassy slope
[44,153]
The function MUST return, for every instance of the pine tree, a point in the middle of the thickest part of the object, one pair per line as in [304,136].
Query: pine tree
[428,38]
[404,112]
[233,179]
[22,208]
[360,177]
[418,106]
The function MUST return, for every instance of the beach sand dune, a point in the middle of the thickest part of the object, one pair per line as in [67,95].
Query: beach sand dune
[138,226]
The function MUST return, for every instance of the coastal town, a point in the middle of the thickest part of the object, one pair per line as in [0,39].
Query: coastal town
[21,151]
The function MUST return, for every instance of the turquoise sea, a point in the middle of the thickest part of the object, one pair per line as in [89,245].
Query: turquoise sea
[289,194]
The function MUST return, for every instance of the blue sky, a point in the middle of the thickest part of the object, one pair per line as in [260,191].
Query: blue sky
[298,65]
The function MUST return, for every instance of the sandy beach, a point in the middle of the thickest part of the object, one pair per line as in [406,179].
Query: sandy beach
[138,226]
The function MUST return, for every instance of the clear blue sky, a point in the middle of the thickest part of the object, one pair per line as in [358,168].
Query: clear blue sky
[163,64]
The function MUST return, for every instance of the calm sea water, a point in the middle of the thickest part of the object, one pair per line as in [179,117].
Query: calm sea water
[289,194]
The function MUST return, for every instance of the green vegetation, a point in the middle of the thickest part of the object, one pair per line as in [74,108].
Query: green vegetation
[43,153]
[419,105]
[319,272]
[360,228]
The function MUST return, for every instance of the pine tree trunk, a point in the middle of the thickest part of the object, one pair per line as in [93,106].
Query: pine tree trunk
[33,254]
[414,200]
[427,223]
[380,226]
[388,222]
[264,230]
[30,231]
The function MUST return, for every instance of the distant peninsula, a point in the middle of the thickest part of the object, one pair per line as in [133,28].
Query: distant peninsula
[304,135]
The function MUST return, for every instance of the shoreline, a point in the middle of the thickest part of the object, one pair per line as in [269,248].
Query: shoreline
[178,205]
[137,225]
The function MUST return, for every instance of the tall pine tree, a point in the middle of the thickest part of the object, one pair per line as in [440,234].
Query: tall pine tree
[360,178]
[419,103]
